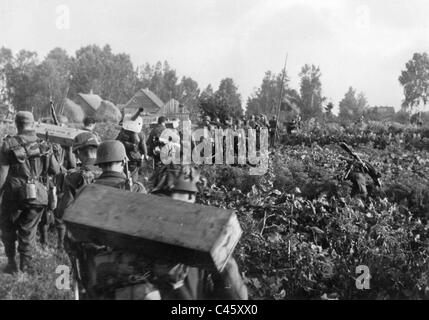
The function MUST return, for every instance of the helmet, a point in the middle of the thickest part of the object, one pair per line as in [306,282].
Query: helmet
[206,118]
[24,117]
[85,139]
[111,151]
[173,178]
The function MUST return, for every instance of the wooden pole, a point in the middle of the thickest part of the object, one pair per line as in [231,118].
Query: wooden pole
[281,96]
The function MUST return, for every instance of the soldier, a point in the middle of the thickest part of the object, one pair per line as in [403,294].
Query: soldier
[272,131]
[134,140]
[88,124]
[23,158]
[154,144]
[112,159]
[181,282]
[356,172]
[85,147]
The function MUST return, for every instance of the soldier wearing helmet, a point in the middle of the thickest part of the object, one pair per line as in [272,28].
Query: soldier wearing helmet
[24,160]
[181,282]
[111,157]
[85,147]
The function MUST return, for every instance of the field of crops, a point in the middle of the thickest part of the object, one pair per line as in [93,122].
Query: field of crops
[303,236]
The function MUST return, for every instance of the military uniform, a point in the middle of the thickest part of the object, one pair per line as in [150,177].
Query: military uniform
[73,182]
[154,145]
[178,281]
[135,146]
[23,159]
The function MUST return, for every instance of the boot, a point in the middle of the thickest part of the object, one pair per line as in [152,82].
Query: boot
[11,266]
[25,264]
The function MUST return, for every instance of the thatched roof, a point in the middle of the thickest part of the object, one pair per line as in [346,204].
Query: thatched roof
[108,112]
[92,100]
[73,111]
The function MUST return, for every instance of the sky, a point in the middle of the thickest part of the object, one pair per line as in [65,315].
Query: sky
[358,43]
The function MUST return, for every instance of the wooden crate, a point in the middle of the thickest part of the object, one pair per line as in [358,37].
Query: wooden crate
[57,134]
[161,227]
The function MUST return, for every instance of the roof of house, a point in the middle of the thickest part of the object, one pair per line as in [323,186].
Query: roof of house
[173,107]
[92,100]
[144,98]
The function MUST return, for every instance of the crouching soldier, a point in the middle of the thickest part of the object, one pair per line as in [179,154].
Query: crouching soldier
[180,282]
[22,160]
[85,147]
[356,172]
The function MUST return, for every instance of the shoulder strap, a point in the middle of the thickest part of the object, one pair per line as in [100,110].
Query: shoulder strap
[29,164]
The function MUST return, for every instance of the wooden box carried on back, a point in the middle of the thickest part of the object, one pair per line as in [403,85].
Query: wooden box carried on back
[57,134]
[161,227]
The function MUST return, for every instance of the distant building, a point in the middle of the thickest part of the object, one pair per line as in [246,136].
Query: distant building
[174,110]
[89,103]
[146,99]
[379,113]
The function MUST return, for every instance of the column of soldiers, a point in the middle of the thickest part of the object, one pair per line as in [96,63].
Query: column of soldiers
[30,167]
[26,161]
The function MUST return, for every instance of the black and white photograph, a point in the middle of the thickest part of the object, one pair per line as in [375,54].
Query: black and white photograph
[230,151]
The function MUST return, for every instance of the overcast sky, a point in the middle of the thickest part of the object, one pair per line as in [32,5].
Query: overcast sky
[364,44]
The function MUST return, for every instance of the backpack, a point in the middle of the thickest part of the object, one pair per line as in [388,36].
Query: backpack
[74,183]
[29,165]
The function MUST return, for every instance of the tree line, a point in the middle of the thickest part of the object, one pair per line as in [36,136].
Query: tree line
[27,82]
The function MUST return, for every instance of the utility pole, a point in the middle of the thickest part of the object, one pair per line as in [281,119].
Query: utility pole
[281,96]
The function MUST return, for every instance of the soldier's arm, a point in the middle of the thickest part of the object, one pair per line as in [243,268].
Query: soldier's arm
[4,167]
[54,166]
[229,285]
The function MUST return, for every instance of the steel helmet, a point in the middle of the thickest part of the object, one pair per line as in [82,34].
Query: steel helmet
[111,151]
[85,139]
[182,178]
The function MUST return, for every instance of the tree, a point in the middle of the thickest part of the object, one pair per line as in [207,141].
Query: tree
[20,77]
[112,76]
[162,80]
[352,107]
[415,80]
[6,58]
[228,94]
[187,93]
[53,80]
[265,99]
[311,91]
[214,106]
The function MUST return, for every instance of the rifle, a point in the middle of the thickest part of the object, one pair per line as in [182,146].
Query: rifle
[53,113]
[129,179]
[366,166]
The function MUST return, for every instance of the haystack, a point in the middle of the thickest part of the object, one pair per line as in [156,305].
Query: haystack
[73,112]
[108,112]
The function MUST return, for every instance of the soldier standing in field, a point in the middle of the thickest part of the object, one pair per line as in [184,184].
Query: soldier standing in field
[23,158]
[272,131]
[154,144]
[85,147]
[134,140]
